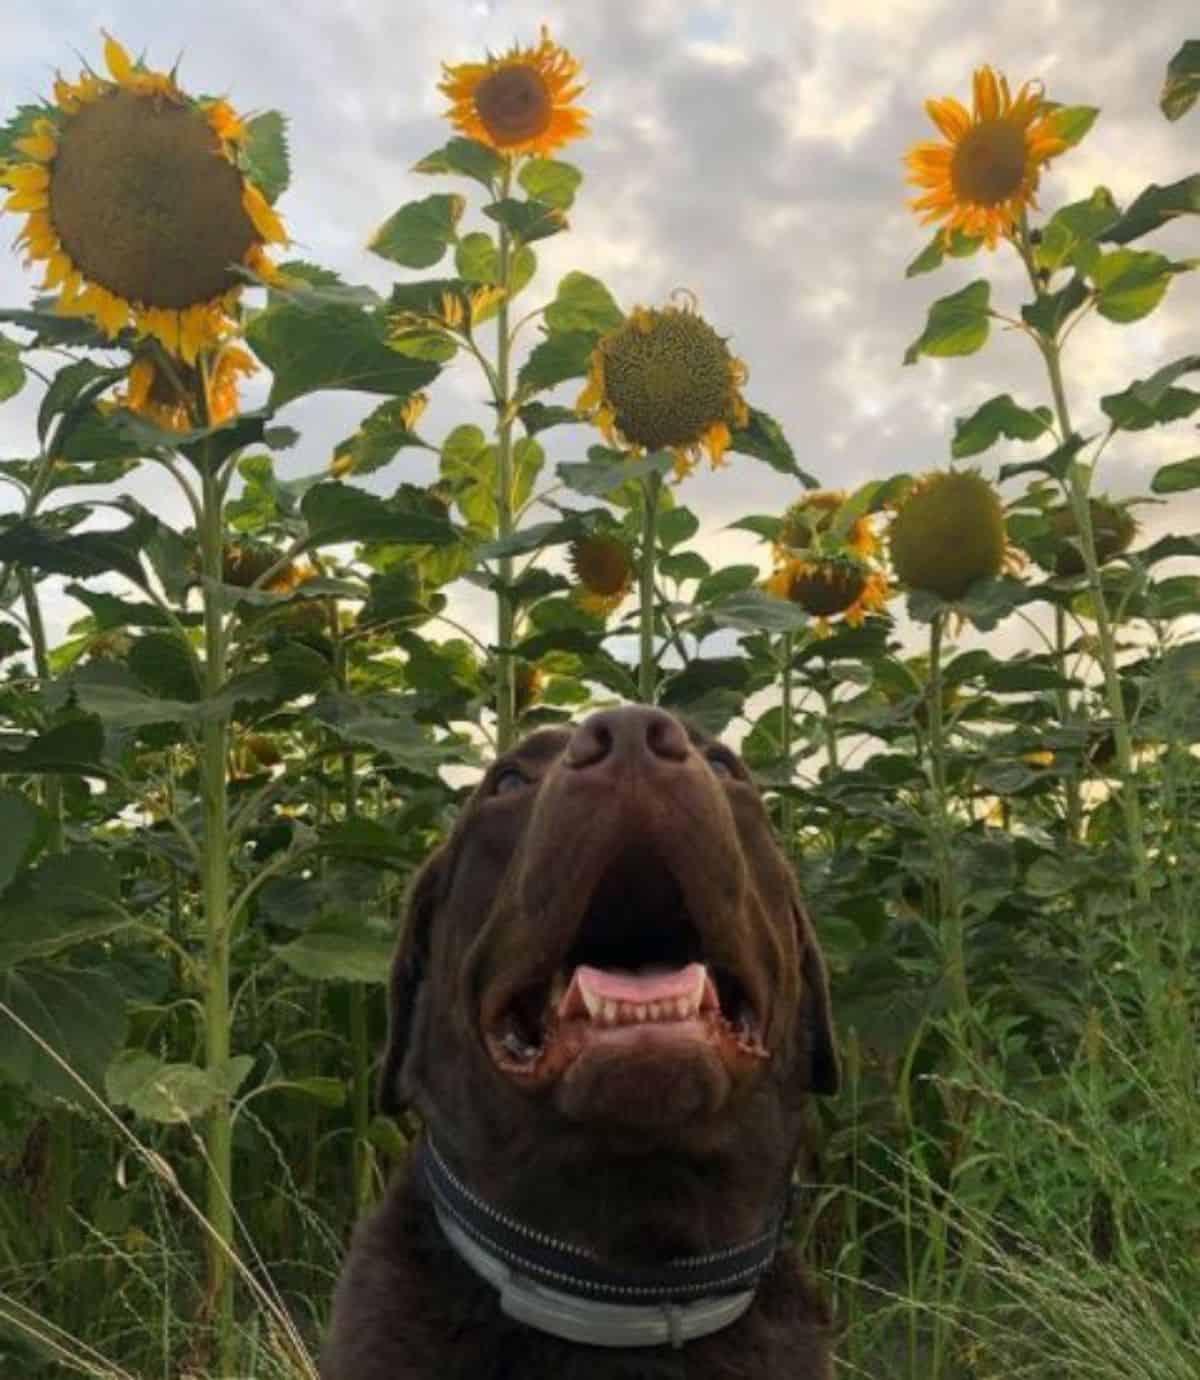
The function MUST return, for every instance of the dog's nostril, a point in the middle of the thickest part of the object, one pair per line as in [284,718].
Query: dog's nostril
[630,733]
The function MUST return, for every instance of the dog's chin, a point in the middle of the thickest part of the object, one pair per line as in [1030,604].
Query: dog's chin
[645,1079]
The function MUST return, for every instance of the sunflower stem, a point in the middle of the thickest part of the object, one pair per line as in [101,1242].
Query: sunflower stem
[51,785]
[949,909]
[214,749]
[651,486]
[505,611]
[1076,489]
[1071,785]
[786,810]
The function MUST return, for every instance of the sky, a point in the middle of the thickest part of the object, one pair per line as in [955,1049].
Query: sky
[748,152]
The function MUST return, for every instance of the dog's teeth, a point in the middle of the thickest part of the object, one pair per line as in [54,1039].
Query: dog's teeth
[683,1007]
[610,1012]
[594,1003]
[654,1008]
[641,1012]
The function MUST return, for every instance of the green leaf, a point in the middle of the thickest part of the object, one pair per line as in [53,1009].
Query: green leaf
[1178,477]
[583,303]
[49,329]
[555,359]
[602,474]
[730,579]
[528,459]
[536,416]
[340,949]
[1155,207]
[79,1015]
[164,665]
[332,347]
[676,525]
[418,234]
[380,437]
[753,610]
[466,158]
[329,1092]
[468,466]
[74,384]
[528,221]
[999,416]
[763,438]
[108,690]
[338,512]
[551,182]
[68,898]
[264,154]
[1182,84]
[22,831]
[1153,401]
[12,371]
[1129,283]
[81,554]
[957,325]
[1072,122]
[75,748]
[172,1094]
[1073,225]
[934,254]
[1052,310]
[476,258]
[385,723]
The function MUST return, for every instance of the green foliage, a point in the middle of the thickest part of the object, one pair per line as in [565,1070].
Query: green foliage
[265,154]
[417,235]
[957,325]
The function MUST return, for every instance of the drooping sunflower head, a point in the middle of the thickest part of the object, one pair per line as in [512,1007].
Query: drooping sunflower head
[826,586]
[986,172]
[812,523]
[1113,529]
[520,102]
[948,533]
[138,205]
[167,392]
[604,567]
[665,380]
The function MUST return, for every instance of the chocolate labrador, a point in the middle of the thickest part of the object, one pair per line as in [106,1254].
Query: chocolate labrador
[608,1006]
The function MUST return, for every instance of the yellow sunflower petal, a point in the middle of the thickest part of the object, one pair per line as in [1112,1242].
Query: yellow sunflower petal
[265,221]
[120,64]
[41,144]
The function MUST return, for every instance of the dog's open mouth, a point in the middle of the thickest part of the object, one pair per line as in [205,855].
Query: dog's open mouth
[636,976]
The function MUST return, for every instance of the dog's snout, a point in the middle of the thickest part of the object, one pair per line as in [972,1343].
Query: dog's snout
[631,735]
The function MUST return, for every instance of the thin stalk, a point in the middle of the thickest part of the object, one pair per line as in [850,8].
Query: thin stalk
[1077,485]
[505,610]
[786,811]
[1071,785]
[51,786]
[647,677]
[949,909]
[214,881]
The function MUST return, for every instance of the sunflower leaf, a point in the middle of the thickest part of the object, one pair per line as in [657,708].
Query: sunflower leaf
[12,371]
[1071,225]
[961,246]
[537,417]
[583,303]
[604,473]
[561,356]
[1154,207]
[763,438]
[1052,310]
[1182,84]
[338,512]
[549,181]
[1177,477]
[527,220]
[1153,401]
[265,154]
[1129,283]
[379,439]
[418,234]
[999,416]
[957,325]
[1072,122]
[465,157]
[332,347]
[79,1015]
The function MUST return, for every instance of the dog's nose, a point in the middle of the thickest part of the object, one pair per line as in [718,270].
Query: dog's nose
[630,735]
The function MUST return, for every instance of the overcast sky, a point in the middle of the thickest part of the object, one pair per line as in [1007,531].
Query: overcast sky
[750,152]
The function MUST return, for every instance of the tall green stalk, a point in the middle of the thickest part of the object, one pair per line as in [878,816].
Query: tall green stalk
[1077,487]
[1071,785]
[647,668]
[505,607]
[949,904]
[214,884]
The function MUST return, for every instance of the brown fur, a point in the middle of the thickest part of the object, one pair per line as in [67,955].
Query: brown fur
[641,1157]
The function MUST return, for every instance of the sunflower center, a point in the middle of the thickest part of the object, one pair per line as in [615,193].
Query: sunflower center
[668,379]
[515,104]
[989,162]
[826,590]
[603,566]
[145,204]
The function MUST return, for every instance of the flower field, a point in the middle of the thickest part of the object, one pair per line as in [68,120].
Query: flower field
[217,781]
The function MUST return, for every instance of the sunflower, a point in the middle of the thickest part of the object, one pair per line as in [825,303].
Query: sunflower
[1113,529]
[137,204]
[826,586]
[519,102]
[949,532]
[604,566]
[810,521]
[986,173]
[167,395]
[665,380]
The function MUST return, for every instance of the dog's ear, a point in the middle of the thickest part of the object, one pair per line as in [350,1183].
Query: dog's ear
[816,1015]
[409,967]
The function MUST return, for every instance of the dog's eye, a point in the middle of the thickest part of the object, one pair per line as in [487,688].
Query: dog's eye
[506,780]
[721,763]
